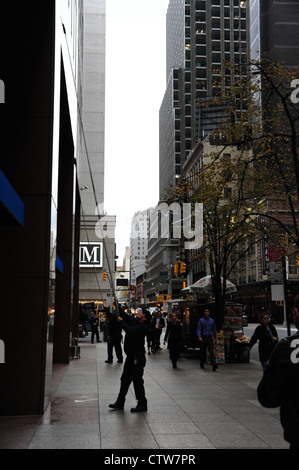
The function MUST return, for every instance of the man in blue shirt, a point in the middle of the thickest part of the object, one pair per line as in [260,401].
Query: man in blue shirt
[207,334]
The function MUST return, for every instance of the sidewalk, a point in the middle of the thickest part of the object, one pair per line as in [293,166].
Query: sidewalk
[188,408]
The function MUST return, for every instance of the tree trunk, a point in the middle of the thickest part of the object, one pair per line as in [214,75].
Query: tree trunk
[219,303]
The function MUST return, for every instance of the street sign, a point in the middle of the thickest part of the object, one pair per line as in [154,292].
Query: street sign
[277,292]
[91,255]
[275,254]
[275,264]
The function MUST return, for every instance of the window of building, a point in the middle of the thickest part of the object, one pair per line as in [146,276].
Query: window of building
[293,268]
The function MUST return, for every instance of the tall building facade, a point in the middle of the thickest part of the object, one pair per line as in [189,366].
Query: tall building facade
[200,36]
[274,30]
[97,238]
[139,243]
[255,29]
[46,121]
[273,35]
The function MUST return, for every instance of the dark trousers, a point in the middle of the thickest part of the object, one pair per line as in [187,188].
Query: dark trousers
[116,344]
[174,354]
[207,343]
[156,339]
[94,331]
[133,372]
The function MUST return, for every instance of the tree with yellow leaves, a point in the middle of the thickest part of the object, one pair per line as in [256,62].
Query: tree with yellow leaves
[259,130]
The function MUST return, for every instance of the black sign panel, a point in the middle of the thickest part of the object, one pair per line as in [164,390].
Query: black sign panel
[122,282]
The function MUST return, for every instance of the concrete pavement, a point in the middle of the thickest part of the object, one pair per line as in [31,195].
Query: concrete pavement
[188,408]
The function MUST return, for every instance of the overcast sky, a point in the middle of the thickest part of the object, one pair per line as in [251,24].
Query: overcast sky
[135,85]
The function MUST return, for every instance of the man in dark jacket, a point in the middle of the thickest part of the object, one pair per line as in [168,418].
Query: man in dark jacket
[136,330]
[94,325]
[280,383]
[114,338]
[158,324]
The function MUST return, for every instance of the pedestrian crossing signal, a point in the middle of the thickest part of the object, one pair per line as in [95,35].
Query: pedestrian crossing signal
[104,276]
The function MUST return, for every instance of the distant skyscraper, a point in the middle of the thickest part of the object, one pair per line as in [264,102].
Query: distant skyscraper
[200,36]
[92,88]
[139,243]
[96,238]
[255,29]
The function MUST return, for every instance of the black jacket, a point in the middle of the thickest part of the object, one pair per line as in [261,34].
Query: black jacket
[94,322]
[266,344]
[161,323]
[280,385]
[114,327]
[173,335]
[135,334]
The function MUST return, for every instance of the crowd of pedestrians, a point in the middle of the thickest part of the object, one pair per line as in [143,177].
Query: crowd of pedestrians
[279,385]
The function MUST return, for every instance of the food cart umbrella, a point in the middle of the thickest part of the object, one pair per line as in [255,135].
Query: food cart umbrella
[204,286]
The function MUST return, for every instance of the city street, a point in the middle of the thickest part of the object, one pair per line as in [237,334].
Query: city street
[188,408]
[149,157]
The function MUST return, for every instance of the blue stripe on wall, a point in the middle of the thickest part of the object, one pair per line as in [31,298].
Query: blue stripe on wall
[59,264]
[10,199]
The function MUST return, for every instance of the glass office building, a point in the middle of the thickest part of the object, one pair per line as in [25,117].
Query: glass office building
[276,25]
[200,36]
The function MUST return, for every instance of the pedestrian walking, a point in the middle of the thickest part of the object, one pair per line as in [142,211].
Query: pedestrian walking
[134,348]
[207,335]
[158,325]
[267,336]
[94,325]
[174,337]
[150,337]
[279,385]
[114,338]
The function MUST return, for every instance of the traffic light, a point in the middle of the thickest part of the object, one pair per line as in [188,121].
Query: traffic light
[132,286]
[182,267]
[176,269]
[104,276]
[297,259]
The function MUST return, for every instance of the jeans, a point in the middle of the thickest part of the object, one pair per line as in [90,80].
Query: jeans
[207,342]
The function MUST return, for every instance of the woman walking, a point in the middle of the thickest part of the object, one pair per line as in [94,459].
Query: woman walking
[267,336]
[174,336]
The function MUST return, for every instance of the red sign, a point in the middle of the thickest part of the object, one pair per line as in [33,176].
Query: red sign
[275,254]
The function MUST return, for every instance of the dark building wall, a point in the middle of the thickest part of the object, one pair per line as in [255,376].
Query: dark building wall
[39,268]
[26,120]
[280,30]
[64,278]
